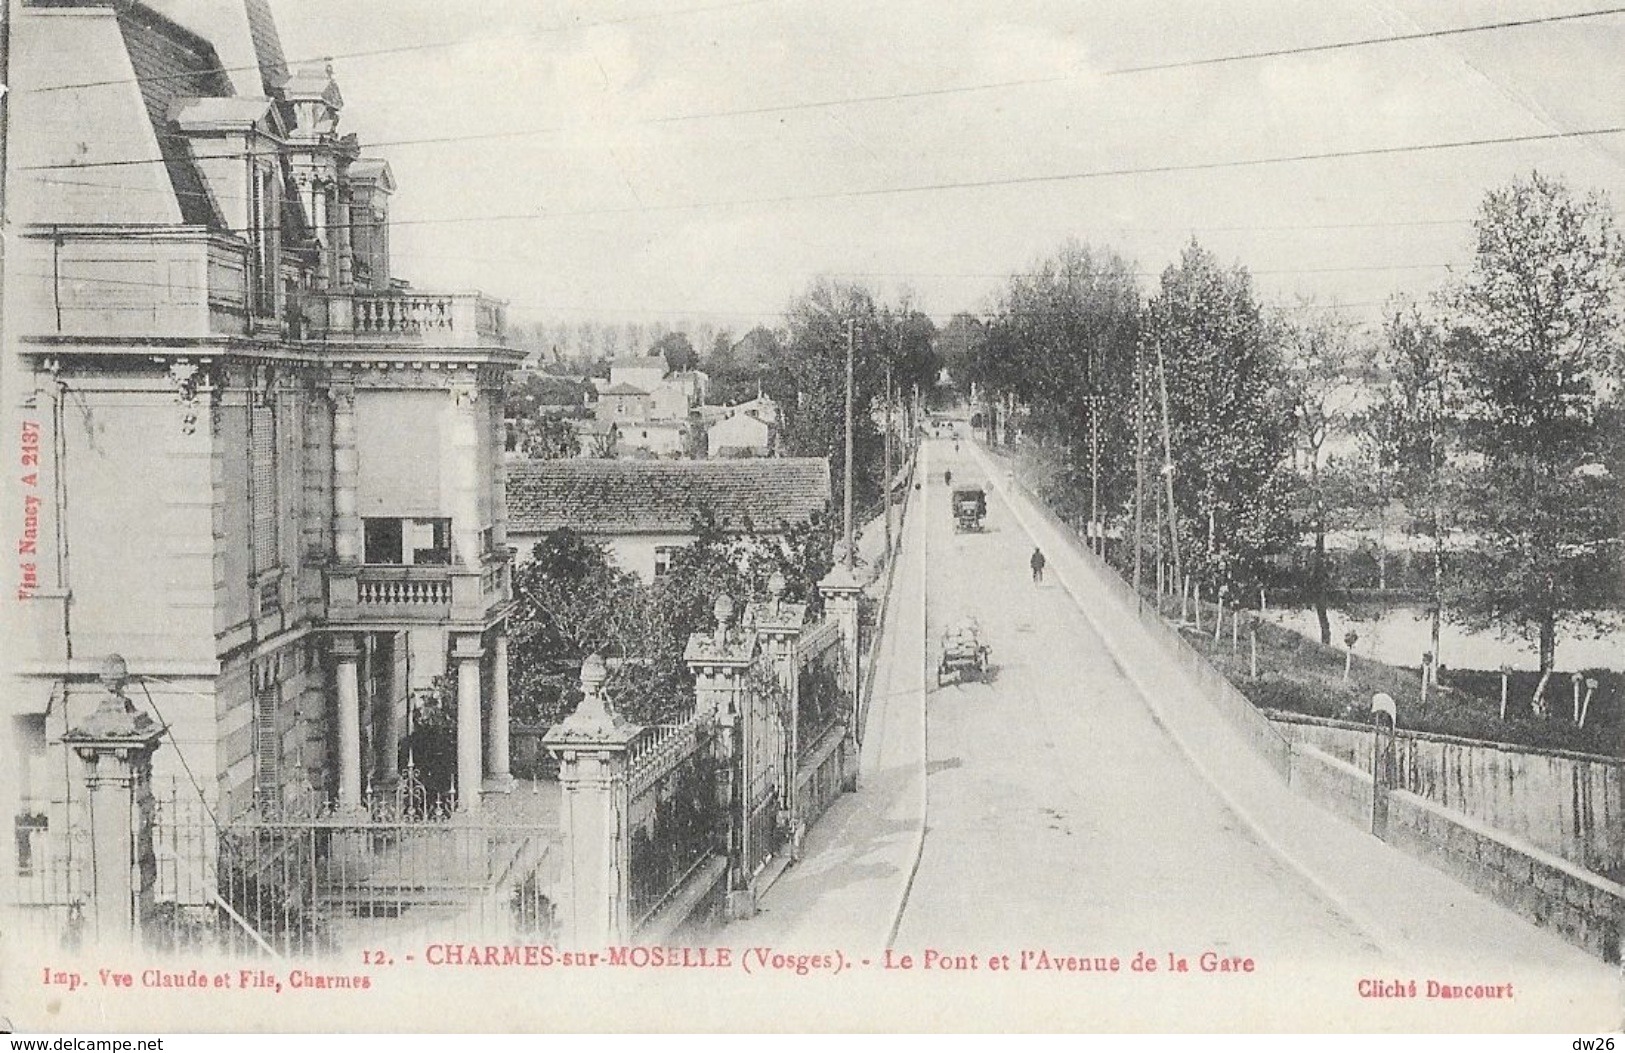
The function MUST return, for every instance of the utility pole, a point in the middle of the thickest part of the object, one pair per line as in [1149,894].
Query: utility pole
[1098,526]
[1168,468]
[886,461]
[1139,467]
[851,341]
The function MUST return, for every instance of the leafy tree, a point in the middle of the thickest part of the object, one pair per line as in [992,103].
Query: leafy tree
[603,445]
[960,347]
[543,437]
[738,369]
[1323,363]
[572,601]
[1063,342]
[1413,427]
[814,371]
[1231,425]
[534,409]
[677,350]
[1539,375]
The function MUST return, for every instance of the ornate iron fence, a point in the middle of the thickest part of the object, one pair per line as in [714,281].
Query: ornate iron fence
[50,896]
[823,685]
[305,877]
[674,820]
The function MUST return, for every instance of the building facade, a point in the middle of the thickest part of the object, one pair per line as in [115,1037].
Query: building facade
[643,511]
[259,467]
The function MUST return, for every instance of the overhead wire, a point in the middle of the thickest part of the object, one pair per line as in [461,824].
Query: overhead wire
[400,49]
[924,93]
[861,193]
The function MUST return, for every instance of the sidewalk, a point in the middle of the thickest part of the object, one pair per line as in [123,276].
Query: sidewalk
[857,858]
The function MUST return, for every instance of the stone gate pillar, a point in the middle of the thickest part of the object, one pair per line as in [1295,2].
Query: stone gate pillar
[1384,724]
[841,589]
[591,748]
[116,745]
[719,660]
[777,626]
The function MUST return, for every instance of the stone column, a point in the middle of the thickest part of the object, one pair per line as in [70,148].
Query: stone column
[347,682]
[116,745]
[591,747]
[347,547]
[343,243]
[466,654]
[498,779]
[386,753]
[464,451]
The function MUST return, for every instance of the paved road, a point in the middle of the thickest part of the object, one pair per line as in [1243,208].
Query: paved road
[1068,806]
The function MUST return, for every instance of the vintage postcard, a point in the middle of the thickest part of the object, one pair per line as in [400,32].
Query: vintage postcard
[734,515]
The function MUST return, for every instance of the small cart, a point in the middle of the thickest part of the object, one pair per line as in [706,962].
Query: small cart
[964,655]
[970,506]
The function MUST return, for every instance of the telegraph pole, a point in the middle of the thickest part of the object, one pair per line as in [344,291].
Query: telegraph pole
[886,490]
[1168,467]
[851,340]
[1139,468]
[1098,526]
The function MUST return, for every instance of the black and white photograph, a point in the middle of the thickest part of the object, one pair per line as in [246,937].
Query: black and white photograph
[812,516]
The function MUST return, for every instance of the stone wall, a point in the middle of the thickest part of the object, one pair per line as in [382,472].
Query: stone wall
[1571,805]
[1586,908]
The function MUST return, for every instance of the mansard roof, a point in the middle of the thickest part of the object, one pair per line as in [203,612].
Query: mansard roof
[267,45]
[173,63]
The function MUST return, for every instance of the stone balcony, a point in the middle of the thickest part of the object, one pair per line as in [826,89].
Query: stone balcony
[386,594]
[409,318]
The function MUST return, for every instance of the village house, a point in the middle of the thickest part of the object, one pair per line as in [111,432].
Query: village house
[622,402]
[642,511]
[269,471]
[740,436]
[746,429]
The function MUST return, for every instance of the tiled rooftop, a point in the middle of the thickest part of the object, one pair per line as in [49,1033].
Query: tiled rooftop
[649,497]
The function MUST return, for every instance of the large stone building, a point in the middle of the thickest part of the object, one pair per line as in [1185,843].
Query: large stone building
[256,465]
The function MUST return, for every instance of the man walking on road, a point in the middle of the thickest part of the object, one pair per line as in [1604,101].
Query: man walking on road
[1038,565]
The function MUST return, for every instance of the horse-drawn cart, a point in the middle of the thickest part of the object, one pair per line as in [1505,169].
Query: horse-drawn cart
[964,655]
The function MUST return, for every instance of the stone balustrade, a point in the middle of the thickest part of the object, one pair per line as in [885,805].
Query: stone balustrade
[418,318]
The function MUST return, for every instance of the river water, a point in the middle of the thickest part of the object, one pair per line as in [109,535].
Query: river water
[1400,635]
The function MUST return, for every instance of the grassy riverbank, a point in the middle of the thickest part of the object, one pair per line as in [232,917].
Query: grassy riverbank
[1279,668]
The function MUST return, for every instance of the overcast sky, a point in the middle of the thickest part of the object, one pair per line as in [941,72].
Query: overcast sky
[640,217]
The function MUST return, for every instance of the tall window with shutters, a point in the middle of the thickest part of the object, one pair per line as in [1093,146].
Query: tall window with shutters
[267,746]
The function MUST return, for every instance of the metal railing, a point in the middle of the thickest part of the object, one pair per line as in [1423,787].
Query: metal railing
[674,820]
[303,877]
